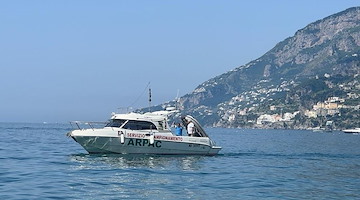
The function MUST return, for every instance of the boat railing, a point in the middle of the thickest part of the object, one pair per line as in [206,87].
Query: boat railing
[80,125]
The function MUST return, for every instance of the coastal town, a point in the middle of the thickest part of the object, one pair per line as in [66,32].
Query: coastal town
[267,107]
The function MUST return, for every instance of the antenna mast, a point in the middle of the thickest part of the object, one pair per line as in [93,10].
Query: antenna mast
[177,99]
[149,99]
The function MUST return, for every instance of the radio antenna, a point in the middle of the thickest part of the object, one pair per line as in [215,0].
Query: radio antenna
[141,95]
[177,99]
[149,99]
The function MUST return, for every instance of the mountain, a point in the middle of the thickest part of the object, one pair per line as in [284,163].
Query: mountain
[305,81]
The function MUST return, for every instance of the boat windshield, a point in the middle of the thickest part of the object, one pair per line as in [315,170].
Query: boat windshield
[115,123]
[139,125]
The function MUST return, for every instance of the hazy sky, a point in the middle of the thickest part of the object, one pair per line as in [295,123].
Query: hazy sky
[82,59]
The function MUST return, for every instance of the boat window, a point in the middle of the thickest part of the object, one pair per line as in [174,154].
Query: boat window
[161,126]
[115,123]
[139,125]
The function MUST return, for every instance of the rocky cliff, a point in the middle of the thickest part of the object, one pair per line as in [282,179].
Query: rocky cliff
[325,53]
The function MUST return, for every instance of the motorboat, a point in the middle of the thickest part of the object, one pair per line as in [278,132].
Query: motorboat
[143,133]
[355,130]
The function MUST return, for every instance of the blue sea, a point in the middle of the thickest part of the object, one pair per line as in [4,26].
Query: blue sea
[37,161]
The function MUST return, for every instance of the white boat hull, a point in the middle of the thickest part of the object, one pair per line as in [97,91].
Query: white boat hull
[141,143]
[355,130]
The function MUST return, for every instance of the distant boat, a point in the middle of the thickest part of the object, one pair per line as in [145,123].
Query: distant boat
[355,130]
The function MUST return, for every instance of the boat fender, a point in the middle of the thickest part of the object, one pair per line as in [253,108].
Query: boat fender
[151,139]
[122,137]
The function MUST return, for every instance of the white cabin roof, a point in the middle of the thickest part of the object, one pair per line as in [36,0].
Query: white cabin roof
[152,116]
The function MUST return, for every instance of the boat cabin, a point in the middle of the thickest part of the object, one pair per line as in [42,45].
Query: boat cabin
[135,121]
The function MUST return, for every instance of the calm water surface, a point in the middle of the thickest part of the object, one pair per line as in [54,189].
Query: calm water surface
[37,161]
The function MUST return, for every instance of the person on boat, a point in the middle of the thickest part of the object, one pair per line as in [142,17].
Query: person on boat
[178,129]
[191,129]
